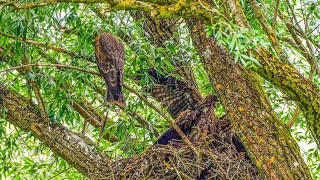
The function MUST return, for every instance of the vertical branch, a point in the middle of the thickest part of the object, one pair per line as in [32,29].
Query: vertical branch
[274,22]
[36,90]
[269,31]
[40,101]
[238,13]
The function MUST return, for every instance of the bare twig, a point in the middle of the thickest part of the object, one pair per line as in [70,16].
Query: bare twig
[294,118]
[103,123]
[42,107]
[51,65]
[274,22]
[91,117]
[64,51]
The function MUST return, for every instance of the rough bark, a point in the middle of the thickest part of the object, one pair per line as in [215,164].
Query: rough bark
[290,81]
[270,144]
[78,150]
[282,74]
[238,99]
[161,31]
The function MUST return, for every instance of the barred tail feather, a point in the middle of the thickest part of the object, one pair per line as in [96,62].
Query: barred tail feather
[114,96]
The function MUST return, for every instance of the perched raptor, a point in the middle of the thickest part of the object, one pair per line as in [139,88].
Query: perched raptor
[195,124]
[109,53]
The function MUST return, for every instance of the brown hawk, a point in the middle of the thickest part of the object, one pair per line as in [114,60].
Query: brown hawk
[109,53]
[195,124]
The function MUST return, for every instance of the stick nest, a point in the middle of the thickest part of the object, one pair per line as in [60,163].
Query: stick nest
[219,159]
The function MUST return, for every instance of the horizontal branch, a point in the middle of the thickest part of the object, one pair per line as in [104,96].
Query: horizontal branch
[159,8]
[124,3]
[64,51]
[50,65]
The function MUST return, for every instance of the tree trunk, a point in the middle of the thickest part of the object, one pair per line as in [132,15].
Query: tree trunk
[269,143]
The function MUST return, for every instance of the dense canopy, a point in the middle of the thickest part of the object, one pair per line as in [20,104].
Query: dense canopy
[260,59]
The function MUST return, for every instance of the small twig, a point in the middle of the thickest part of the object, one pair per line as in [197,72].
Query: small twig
[103,123]
[274,23]
[60,173]
[84,129]
[89,116]
[40,101]
[294,118]
[50,65]
[72,54]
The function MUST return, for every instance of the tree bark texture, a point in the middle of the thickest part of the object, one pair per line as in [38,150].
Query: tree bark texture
[269,143]
[78,150]
[290,81]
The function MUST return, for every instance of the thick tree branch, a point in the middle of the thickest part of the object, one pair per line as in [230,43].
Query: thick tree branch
[159,8]
[79,151]
[266,140]
[290,81]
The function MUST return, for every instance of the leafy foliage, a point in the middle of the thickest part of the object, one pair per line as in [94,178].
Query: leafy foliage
[63,33]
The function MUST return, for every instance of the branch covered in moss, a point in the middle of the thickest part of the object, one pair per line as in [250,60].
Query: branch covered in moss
[289,80]
[160,8]
[77,150]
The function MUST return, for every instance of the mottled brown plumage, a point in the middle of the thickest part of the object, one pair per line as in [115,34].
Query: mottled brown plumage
[196,124]
[172,93]
[109,53]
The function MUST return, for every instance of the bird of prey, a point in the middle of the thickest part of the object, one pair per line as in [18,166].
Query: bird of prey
[195,124]
[191,112]
[173,93]
[110,56]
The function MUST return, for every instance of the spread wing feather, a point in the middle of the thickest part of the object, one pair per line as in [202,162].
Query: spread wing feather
[172,93]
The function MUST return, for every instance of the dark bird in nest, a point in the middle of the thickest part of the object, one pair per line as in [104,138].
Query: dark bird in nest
[110,56]
[192,114]
[195,124]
